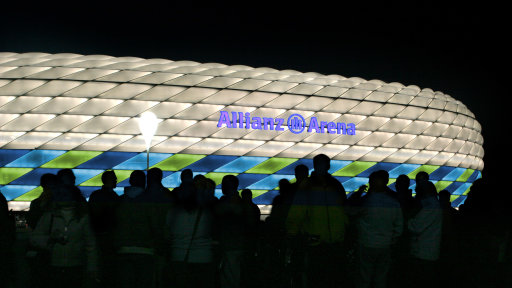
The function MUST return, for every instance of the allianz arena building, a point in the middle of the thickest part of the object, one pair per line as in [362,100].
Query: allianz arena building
[81,112]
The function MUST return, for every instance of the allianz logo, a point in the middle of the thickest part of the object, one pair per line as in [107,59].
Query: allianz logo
[295,123]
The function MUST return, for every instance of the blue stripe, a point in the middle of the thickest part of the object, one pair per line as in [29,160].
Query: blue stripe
[33,177]
[14,191]
[266,198]
[35,158]
[139,162]
[462,188]
[211,162]
[241,164]
[107,160]
[354,183]
[440,173]
[403,169]
[454,174]
[9,155]
[270,182]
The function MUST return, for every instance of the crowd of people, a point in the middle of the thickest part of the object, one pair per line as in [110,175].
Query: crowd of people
[315,236]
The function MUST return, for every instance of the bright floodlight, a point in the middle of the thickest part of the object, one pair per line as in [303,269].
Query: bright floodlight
[147,125]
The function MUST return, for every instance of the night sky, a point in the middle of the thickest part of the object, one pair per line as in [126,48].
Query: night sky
[458,50]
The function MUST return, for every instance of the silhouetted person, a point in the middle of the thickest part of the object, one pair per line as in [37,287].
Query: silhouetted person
[38,260]
[379,224]
[42,203]
[186,185]
[421,176]
[318,214]
[66,180]
[65,232]
[189,226]
[425,231]
[252,216]
[102,210]
[7,239]
[136,235]
[449,238]
[230,213]
[301,174]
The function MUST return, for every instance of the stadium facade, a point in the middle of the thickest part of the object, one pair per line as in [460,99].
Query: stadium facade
[74,111]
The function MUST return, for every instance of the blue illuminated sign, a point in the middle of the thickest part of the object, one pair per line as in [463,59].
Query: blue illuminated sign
[295,123]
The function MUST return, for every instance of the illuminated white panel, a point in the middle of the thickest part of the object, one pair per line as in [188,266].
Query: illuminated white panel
[419,142]
[54,88]
[262,135]
[305,89]
[321,116]
[157,78]
[63,123]
[331,150]
[270,149]
[130,108]
[356,94]
[256,99]
[159,93]
[372,123]
[104,142]
[89,74]
[436,129]
[6,99]
[395,125]
[464,134]
[220,82]
[376,139]
[285,101]
[55,73]
[401,156]
[99,124]
[30,140]
[440,159]
[439,104]
[431,115]
[207,146]
[200,129]
[306,114]
[289,136]
[23,104]
[198,111]
[439,144]
[423,156]
[365,108]
[378,154]
[188,80]
[398,140]
[351,139]
[58,105]
[249,84]
[125,91]
[7,137]
[21,72]
[193,95]
[175,144]
[170,127]
[341,105]
[26,122]
[123,76]
[68,141]
[5,118]
[354,152]
[168,109]
[90,89]
[20,87]
[95,106]
[137,144]
[314,103]
[240,147]
[320,138]
[330,91]
[225,97]
[277,87]
[466,148]
[379,96]
[299,150]
[416,127]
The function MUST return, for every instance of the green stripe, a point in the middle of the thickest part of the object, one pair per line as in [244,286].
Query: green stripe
[217,176]
[441,185]
[8,175]
[353,169]
[30,195]
[271,165]
[453,197]
[71,159]
[178,161]
[465,176]
[423,168]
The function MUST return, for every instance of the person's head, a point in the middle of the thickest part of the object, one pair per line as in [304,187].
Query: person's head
[421,176]
[284,186]
[138,179]
[229,185]
[379,180]
[66,176]
[425,189]
[109,179]
[301,172]
[247,195]
[444,197]
[48,181]
[402,184]
[155,176]
[321,164]
[186,176]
